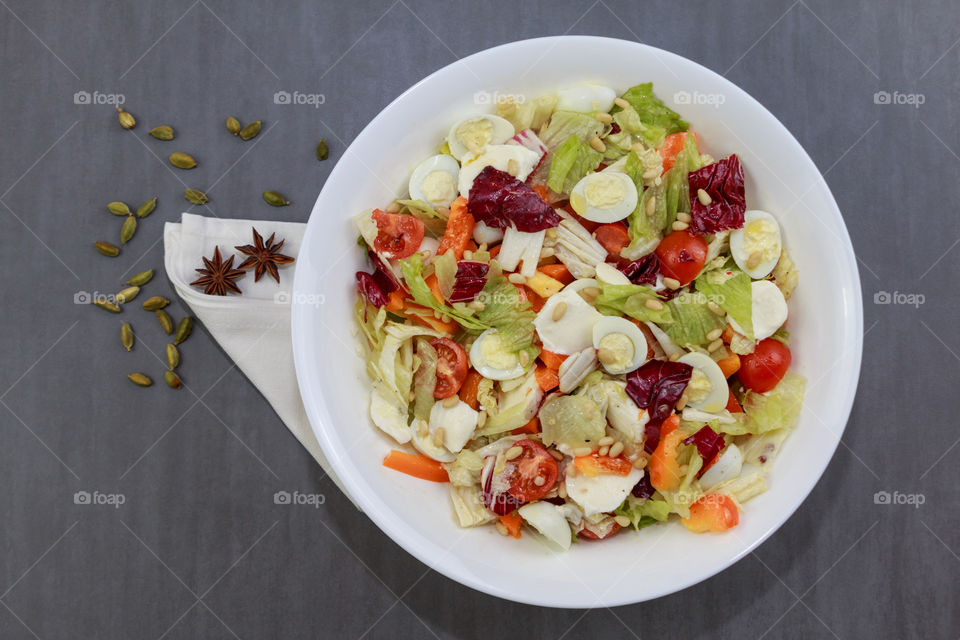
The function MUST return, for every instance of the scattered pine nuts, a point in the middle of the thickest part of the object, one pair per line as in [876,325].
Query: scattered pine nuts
[513,452]
[393,207]
[513,167]
[423,429]
[562,490]
[656,305]
[597,144]
[451,402]
[556,454]
[539,481]
[517,278]
[547,252]
[615,449]
[582,451]
[524,359]
[438,436]
[704,197]
[680,226]
[715,308]
[620,102]
[481,419]
[684,217]
[623,521]
[652,205]
[559,310]
[604,451]
[605,118]
[640,463]
[551,233]
[713,335]
[589,293]
[716,344]
[674,357]
[605,441]
[468,255]
[682,402]
[754,259]
[607,356]
[638,146]
[502,528]
[671,283]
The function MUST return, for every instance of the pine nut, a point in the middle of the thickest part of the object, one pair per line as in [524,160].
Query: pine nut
[623,521]
[513,167]
[670,283]
[713,335]
[604,451]
[638,146]
[605,441]
[704,197]
[517,278]
[423,429]
[606,356]
[620,102]
[682,402]
[597,144]
[547,252]
[680,226]
[656,305]
[393,207]
[715,308]
[615,449]
[551,233]
[559,310]
[684,217]
[438,436]
[513,452]
[754,259]
[674,357]
[651,173]
[582,451]
[482,247]
[605,118]
[524,359]
[640,463]
[451,402]
[716,344]
[556,454]
[468,255]
[502,529]
[481,419]
[589,293]
[539,481]
[562,490]
[652,205]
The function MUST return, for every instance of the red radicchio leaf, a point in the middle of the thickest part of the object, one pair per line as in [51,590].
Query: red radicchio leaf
[382,275]
[497,199]
[643,489]
[644,270]
[723,181]
[471,277]
[656,387]
[709,443]
[370,290]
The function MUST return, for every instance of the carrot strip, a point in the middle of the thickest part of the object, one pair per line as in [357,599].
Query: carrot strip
[727,334]
[416,465]
[547,378]
[557,271]
[434,285]
[469,389]
[396,301]
[512,521]
[531,427]
[733,405]
[729,365]
[551,359]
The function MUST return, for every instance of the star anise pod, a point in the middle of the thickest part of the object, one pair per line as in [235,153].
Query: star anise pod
[218,276]
[264,256]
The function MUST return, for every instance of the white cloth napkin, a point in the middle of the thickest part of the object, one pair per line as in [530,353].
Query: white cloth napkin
[254,329]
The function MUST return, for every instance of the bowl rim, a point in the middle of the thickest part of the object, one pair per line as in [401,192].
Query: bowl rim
[410,541]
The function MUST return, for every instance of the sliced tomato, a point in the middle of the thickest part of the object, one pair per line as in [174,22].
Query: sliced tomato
[451,367]
[763,369]
[594,464]
[519,476]
[712,512]
[590,535]
[398,234]
[682,256]
[614,237]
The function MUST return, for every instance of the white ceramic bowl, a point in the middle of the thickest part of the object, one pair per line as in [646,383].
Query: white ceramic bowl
[825,323]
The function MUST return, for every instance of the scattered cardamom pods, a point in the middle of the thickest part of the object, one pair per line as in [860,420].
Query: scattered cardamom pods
[165,320]
[196,196]
[162,133]
[127,294]
[107,249]
[322,150]
[118,208]
[140,380]
[126,336]
[183,330]
[154,303]
[127,121]
[173,357]
[107,306]
[146,208]
[128,229]
[173,380]
[233,125]
[141,278]
[182,160]
[275,198]
[251,130]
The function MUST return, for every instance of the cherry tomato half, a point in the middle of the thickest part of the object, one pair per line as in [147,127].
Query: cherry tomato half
[761,370]
[523,471]
[682,256]
[451,367]
[398,235]
[614,237]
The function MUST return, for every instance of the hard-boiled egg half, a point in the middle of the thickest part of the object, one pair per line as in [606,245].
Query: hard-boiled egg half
[435,181]
[512,158]
[707,389]
[768,308]
[756,247]
[621,346]
[604,197]
[489,357]
[601,493]
[565,323]
[586,98]
[473,134]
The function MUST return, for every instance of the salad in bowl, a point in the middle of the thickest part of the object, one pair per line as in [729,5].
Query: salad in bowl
[575,321]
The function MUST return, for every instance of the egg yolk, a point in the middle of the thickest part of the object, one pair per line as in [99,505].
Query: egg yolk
[760,236]
[495,355]
[439,187]
[616,351]
[603,191]
[699,386]
[475,134]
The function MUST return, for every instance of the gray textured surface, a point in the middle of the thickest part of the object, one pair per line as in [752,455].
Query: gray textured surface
[199,549]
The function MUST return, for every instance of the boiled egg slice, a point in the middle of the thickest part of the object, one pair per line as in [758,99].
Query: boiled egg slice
[756,247]
[516,160]
[474,134]
[608,273]
[769,309]
[565,323]
[434,181]
[604,197]
[621,346]
[586,98]
[491,360]
[707,389]
[601,493]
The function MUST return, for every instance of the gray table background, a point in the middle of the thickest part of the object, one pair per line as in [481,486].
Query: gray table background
[199,548]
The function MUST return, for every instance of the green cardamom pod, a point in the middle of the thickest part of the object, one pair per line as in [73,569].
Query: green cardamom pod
[182,160]
[127,294]
[162,133]
[118,208]
[275,198]
[108,306]
[233,125]
[183,330]
[126,336]
[140,380]
[173,380]
[146,208]
[128,229]
[251,130]
[196,196]
[127,121]
[173,357]
[322,150]
[165,321]
[107,249]
[154,303]
[141,278]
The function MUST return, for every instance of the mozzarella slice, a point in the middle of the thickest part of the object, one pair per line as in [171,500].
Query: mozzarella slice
[426,445]
[707,389]
[474,134]
[769,309]
[497,156]
[601,493]
[727,466]
[389,417]
[458,422]
[756,247]
[550,521]
[573,330]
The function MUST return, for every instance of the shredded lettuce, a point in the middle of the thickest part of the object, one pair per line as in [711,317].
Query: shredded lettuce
[785,274]
[651,109]
[564,124]
[465,470]
[433,221]
[445,268]
[424,379]
[643,512]
[645,230]
[570,162]
[778,408]
[469,508]
[508,313]
[412,269]
[693,320]
[629,120]
[572,421]
[530,114]
[630,299]
[677,191]
[730,288]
